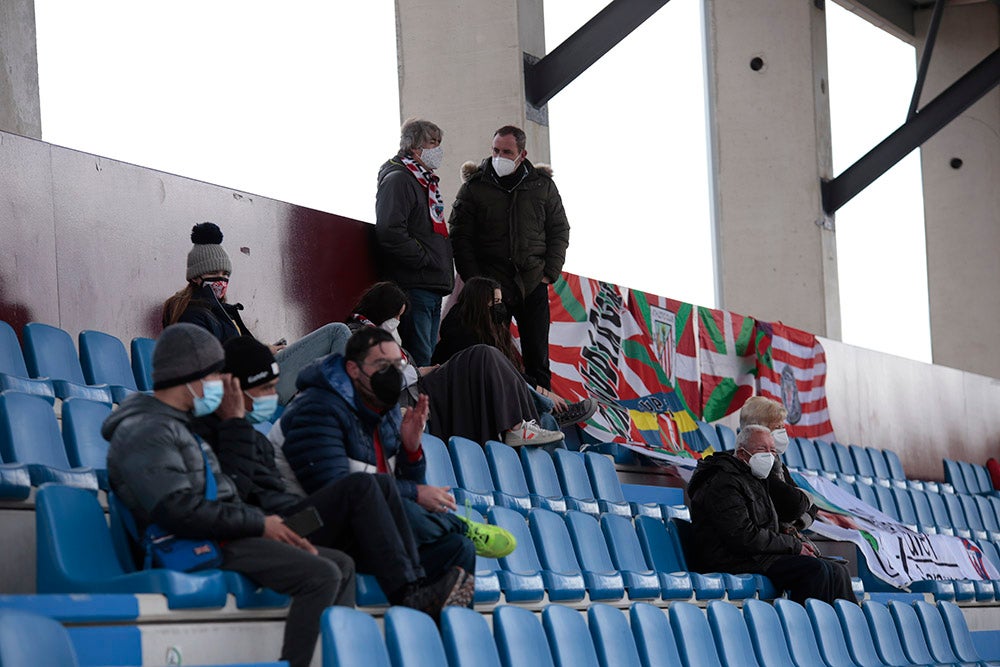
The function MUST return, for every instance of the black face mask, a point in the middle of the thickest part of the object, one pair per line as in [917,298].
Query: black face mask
[387,384]
[499,314]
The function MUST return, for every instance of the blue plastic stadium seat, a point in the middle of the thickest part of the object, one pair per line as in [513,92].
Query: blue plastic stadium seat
[941,517]
[767,635]
[732,638]
[793,455]
[862,462]
[568,636]
[846,485]
[542,479]
[953,475]
[75,555]
[368,593]
[895,466]
[351,639]
[467,638]
[974,517]
[661,553]
[508,477]
[627,556]
[886,501]
[866,494]
[412,638]
[798,632]
[727,437]
[487,582]
[907,511]
[810,457]
[608,488]
[653,637]
[827,457]
[49,352]
[592,552]
[439,469]
[81,434]
[615,645]
[520,639]
[957,514]
[30,640]
[991,522]
[830,634]
[911,633]
[925,515]
[29,434]
[882,475]
[520,574]
[738,586]
[710,434]
[935,632]
[15,481]
[854,626]
[14,373]
[693,635]
[983,478]
[969,475]
[473,474]
[844,460]
[104,361]
[575,484]
[884,634]
[142,362]
[560,569]
[249,595]
[958,632]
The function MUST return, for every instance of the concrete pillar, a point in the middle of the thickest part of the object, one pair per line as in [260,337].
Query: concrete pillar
[461,65]
[961,175]
[769,124]
[20,110]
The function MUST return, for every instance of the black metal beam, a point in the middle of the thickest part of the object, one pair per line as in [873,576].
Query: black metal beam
[940,111]
[925,57]
[545,78]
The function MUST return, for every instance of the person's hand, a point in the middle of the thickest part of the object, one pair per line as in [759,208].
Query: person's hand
[232,406]
[435,498]
[807,550]
[424,370]
[413,423]
[546,281]
[559,402]
[277,347]
[275,529]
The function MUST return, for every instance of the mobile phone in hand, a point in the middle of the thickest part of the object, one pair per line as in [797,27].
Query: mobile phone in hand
[836,559]
[305,522]
[281,343]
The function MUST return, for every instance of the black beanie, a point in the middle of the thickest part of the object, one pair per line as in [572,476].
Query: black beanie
[250,361]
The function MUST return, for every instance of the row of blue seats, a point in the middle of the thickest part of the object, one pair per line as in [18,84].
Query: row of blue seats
[760,635]
[967,477]
[976,517]
[49,365]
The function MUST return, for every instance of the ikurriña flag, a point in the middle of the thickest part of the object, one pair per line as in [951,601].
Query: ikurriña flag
[791,368]
[727,361]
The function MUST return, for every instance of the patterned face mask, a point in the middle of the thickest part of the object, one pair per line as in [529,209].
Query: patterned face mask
[218,287]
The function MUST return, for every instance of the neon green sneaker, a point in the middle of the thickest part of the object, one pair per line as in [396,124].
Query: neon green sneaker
[490,541]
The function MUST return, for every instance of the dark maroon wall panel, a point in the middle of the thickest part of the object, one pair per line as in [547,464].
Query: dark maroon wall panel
[91,243]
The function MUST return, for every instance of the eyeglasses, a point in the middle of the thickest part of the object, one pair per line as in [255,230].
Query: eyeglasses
[382,364]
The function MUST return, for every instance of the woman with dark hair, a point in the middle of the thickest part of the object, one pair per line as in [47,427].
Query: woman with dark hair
[479,317]
[203,302]
[478,394]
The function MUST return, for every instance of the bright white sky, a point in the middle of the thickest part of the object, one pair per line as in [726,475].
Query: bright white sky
[299,101]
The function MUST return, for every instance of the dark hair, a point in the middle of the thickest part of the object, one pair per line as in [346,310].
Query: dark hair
[363,340]
[474,307]
[381,302]
[519,136]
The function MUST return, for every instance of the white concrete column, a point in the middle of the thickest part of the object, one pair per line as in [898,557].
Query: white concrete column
[769,124]
[461,65]
[20,110]
[961,176]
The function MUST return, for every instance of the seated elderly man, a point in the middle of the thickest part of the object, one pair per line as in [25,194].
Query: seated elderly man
[736,507]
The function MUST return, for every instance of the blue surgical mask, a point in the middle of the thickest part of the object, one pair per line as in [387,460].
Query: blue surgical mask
[264,408]
[210,401]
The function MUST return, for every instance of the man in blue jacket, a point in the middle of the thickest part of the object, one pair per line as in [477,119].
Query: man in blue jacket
[345,419]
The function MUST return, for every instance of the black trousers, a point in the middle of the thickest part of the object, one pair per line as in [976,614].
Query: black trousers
[807,577]
[441,540]
[313,582]
[532,315]
[363,515]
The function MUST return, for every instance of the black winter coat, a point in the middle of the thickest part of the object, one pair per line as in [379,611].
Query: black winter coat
[221,319]
[410,252]
[735,517]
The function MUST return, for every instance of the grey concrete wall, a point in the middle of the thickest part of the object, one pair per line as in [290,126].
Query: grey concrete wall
[770,146]
[461,65]
[962,206]
[20,110]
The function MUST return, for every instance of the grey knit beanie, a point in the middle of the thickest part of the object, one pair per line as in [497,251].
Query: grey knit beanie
[183,353]
[207,255]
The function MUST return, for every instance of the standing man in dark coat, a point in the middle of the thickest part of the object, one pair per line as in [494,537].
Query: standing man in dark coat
[736,506]
[508,224]
[412,236]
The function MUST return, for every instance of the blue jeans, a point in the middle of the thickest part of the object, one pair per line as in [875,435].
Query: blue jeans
[419,326]
[544,405]
[328,339]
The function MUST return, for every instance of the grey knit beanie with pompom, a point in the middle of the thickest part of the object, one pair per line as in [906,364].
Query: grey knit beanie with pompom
[207,255]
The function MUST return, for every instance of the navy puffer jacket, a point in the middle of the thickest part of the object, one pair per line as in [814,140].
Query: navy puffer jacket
[328,433]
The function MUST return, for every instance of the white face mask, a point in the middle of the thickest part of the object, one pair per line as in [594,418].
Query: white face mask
[504,166]
[761,464]
[432,157]
[392,326]
[780,436]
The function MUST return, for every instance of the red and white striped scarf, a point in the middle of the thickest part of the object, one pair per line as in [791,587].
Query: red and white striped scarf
[430,183]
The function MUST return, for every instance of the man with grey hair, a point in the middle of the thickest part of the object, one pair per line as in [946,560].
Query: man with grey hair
[736,506]
[414,250]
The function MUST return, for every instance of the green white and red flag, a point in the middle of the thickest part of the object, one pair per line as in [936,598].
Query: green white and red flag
[726,355]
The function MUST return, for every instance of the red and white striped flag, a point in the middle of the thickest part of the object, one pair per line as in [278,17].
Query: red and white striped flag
[791,367]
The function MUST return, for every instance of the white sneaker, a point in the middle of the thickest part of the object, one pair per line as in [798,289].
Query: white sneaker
[530,433]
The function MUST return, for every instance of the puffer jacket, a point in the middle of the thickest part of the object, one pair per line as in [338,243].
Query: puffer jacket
[329,433]
[516,236]
[410,252]
[156,467]
[735,517]
[221,319]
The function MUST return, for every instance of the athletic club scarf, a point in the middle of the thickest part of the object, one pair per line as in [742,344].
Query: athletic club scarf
[430,183]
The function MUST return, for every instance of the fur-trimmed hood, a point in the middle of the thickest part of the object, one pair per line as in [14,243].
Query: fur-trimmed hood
[470,168]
